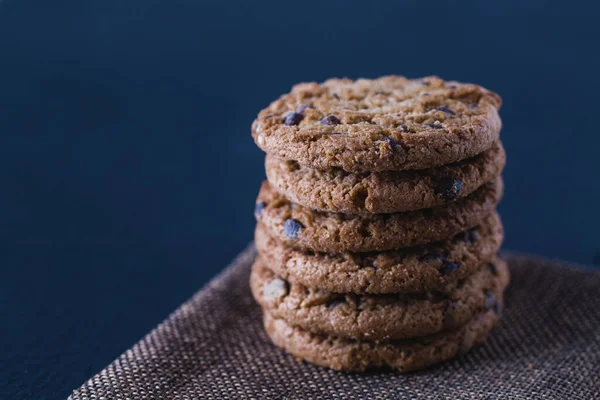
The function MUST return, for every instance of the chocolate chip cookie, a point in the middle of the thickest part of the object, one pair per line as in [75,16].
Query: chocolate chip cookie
[357,356]
[301,227]
[383,192]
[425,268]
[379,317]
[386,124]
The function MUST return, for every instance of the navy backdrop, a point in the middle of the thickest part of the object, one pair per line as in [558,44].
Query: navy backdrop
[128,173]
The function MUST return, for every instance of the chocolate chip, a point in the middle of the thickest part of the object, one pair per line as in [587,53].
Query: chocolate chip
[424,94]
[404,128]
[435,126]
[393,144]
[335,95]
[490,300]
[330,120]
[258,209]
[425,83]
[302,107]
[445,109]
[291,228]
[448,188]
[448,266]
[493,268]
[452,86]
[390,141]
[293,118]
[470,236]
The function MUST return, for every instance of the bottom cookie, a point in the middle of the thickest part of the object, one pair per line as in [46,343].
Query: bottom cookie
[357,356]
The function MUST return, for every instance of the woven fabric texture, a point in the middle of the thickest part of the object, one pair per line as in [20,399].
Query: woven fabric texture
[214,347]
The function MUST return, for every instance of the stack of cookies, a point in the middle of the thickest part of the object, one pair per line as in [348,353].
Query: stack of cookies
[377,228]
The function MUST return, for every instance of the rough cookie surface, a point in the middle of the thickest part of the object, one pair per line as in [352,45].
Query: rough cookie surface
[357,356]
[383,192]
[379,317]
[304,228]
[390,123]
[425,268]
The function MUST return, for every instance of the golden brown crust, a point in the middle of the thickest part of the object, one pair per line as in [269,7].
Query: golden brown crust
[426,268]
[390,123]
[379,317]
[358,356]
[304,228]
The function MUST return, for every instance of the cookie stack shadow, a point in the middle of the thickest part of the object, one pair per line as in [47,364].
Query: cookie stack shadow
[377,229]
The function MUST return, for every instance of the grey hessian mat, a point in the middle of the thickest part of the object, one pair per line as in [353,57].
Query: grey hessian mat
[213,347]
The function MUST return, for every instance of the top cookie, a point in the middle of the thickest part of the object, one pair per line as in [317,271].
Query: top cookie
[386,124]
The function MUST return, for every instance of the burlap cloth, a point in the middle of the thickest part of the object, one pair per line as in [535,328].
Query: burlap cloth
[214,347]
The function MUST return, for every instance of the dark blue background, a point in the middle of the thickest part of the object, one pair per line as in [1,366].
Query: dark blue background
[128,173]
